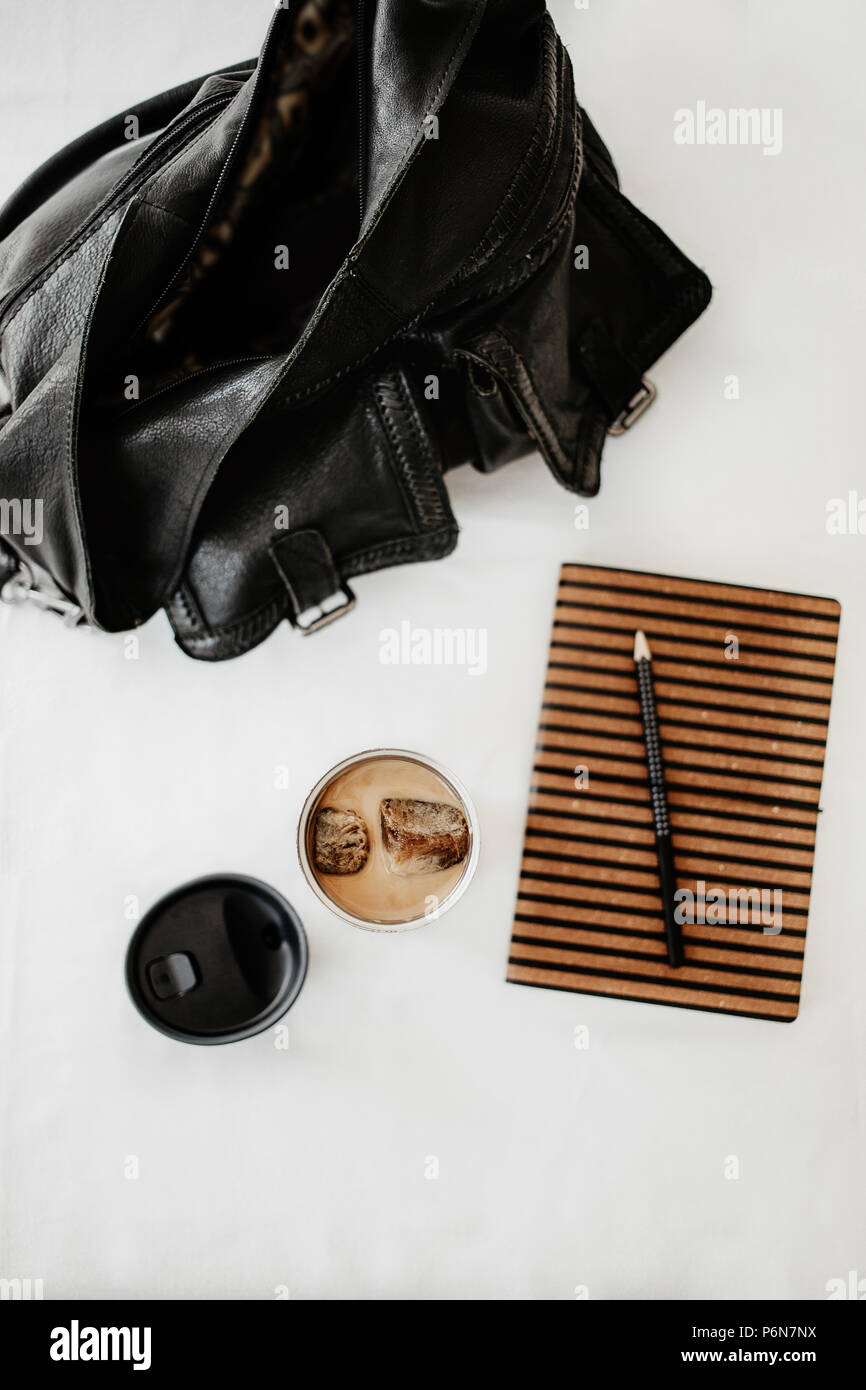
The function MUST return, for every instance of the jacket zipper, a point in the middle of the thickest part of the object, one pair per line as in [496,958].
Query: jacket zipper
[192,376]
[159,151]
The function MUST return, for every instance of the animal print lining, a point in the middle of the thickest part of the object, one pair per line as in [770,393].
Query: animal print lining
[300,167]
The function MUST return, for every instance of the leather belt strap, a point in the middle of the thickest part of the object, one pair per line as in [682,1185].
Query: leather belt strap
[306,566]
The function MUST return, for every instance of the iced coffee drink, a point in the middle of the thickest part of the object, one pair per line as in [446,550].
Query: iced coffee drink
[387,839]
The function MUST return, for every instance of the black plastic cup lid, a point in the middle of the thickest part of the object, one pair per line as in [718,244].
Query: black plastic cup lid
[217,960]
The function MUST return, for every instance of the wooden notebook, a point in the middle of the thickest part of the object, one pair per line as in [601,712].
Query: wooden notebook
[743,680]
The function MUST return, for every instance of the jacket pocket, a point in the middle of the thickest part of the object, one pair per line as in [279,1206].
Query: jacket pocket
[306,501]
[569,348]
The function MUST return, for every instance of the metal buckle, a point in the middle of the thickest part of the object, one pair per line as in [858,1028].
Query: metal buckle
[23,588]
[640,401]
[326,612]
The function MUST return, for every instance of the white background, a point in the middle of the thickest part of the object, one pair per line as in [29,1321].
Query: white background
[558,1167]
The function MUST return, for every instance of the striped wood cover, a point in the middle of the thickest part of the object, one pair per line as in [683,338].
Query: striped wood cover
[743,742]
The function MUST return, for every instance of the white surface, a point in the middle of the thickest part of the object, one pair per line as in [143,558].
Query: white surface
[558,1167]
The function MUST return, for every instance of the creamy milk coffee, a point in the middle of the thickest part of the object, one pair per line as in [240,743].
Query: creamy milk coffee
[399,821]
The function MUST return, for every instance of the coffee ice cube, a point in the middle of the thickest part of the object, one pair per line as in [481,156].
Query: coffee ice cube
[341,844]
[422,837]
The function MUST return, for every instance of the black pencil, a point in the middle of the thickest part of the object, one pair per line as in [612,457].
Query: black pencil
[658,792]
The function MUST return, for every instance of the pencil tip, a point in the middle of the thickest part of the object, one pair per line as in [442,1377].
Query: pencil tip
[641,647]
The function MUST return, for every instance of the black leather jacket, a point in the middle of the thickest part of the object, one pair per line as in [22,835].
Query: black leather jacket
[246,333]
